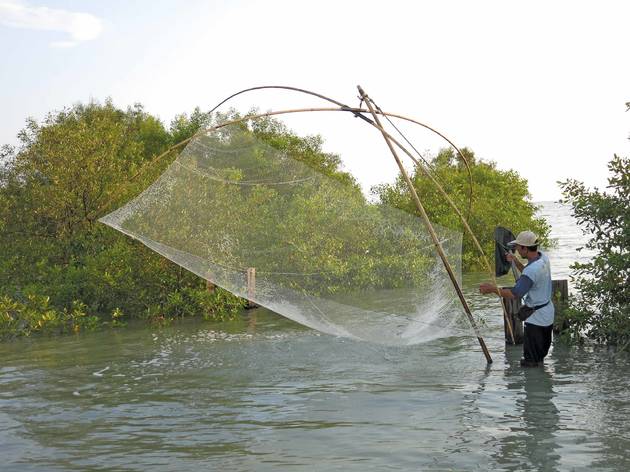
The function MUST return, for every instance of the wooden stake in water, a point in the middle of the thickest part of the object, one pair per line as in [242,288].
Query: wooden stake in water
[425,217]
[251,287]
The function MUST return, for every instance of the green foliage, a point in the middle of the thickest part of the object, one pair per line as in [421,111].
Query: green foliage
[58,263]
[117,318]
[69,168]
[303,149]
[82,162]
[184,126]
[601,308]
[323,227]
[213,305]
[35,315]
[60,269]
[500,198]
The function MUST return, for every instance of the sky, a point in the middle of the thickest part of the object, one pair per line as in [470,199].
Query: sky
[538,87]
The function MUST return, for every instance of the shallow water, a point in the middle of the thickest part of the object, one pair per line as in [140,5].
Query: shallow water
[570,240]
[263,393]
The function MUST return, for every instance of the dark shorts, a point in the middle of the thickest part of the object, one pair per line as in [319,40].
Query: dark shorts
[536,342]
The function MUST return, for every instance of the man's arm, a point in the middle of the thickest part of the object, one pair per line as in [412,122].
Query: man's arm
[486,288]
[523,284]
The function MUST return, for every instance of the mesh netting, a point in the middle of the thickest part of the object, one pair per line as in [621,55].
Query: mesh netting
[321,253]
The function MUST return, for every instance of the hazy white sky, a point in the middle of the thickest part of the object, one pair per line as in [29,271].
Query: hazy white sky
[538,87]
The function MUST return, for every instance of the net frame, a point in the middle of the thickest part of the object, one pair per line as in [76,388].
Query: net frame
[359,112]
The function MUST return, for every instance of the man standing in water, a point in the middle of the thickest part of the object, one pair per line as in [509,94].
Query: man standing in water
[535,285]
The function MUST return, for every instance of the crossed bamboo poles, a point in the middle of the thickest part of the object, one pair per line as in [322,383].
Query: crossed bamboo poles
[391,142]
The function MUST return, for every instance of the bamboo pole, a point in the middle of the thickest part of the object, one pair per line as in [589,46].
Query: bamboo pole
[425,217]
[457,211]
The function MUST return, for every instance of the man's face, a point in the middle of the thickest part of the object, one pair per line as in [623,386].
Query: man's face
[522,250]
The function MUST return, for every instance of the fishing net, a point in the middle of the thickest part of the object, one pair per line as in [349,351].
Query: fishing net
[275,227]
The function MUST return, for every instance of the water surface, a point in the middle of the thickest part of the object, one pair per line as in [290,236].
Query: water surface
[263,393]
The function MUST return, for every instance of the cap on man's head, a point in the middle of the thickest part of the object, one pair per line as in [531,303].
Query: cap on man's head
[525,238]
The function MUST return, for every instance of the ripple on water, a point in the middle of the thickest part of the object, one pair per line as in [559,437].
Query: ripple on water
[263,393]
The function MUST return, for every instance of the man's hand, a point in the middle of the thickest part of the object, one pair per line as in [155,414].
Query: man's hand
[511,258]
[487,288]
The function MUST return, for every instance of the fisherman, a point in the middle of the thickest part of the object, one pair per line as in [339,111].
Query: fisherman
[535,285]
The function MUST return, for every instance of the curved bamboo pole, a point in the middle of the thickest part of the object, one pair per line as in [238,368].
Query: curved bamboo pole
[294,89]
[423,213]
[356,111]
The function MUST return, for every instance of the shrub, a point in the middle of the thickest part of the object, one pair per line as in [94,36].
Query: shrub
[500,198]
[601,308]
